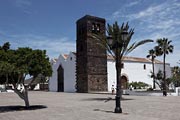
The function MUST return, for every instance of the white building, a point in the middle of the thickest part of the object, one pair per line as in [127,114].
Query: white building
[134,69]
[67,64]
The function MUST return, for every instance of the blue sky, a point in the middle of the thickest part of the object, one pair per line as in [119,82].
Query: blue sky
[51,24]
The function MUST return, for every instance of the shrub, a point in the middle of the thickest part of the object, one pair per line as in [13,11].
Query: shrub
[138,85]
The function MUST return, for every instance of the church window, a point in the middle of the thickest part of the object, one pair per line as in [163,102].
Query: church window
[144,66]
[122,65]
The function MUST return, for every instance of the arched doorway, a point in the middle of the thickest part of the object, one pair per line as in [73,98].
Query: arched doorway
[124,82]
[60,84]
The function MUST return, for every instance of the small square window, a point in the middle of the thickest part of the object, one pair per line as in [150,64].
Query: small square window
[144,66]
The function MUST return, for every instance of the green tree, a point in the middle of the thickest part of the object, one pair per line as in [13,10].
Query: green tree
[138,85]
[159,80]
[163,48]
[5,47]
[176,76]
[6,68]
[117,44]
[152,56]
[15,65]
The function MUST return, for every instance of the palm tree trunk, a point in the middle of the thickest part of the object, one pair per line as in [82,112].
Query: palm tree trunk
[164,78]
[118,79]
[118,84]
[154,86]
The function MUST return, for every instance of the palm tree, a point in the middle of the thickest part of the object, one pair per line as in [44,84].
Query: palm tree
[117,44]
[164,47]
[152,55]
[176,76]
[159,79]
[175,70]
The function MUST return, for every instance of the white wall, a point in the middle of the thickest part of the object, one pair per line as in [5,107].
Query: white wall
[134,71]
[111,71]
[69,73]
[53,79]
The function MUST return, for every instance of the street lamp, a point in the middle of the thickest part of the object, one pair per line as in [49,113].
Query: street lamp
[115,45]
[124,36]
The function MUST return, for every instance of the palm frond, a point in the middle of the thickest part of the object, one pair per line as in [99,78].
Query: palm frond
[135,45]
[103,42]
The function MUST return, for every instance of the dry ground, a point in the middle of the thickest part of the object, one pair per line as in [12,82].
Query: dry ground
[74,106]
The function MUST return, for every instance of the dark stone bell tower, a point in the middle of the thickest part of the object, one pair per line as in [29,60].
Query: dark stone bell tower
[91,64]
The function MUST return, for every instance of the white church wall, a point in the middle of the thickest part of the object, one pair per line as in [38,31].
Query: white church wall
[69,74]
[111,71]
[53,79]
[134,71]
[53,82]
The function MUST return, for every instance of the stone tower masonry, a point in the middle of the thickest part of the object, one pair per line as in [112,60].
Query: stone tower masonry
[91,58]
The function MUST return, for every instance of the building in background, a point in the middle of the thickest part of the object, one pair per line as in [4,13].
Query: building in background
[134,70]
[91,69]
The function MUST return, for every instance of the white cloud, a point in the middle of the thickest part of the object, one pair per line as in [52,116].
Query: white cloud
[154,21]
[133,3]
[150,11]
[121,12]
[53,46]
[24,5]
[160,16]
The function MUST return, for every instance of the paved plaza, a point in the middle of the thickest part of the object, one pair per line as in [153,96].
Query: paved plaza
[76,106]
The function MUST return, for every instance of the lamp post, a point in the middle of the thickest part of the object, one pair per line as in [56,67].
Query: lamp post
[118,46]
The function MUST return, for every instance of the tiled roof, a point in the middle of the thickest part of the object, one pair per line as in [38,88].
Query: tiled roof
[65,56]
[134,59]
[125,58]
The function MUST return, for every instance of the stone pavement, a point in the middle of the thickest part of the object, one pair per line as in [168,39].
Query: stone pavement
[76,106]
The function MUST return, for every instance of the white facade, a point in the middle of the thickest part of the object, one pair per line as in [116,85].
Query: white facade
[135,72]
[135,69]
[68,64]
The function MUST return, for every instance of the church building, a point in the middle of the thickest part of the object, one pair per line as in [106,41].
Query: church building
[90,69]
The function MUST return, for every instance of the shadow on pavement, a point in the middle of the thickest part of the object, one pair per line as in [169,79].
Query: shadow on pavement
[20,108]
[105,99]
[109,111]
[104,111]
